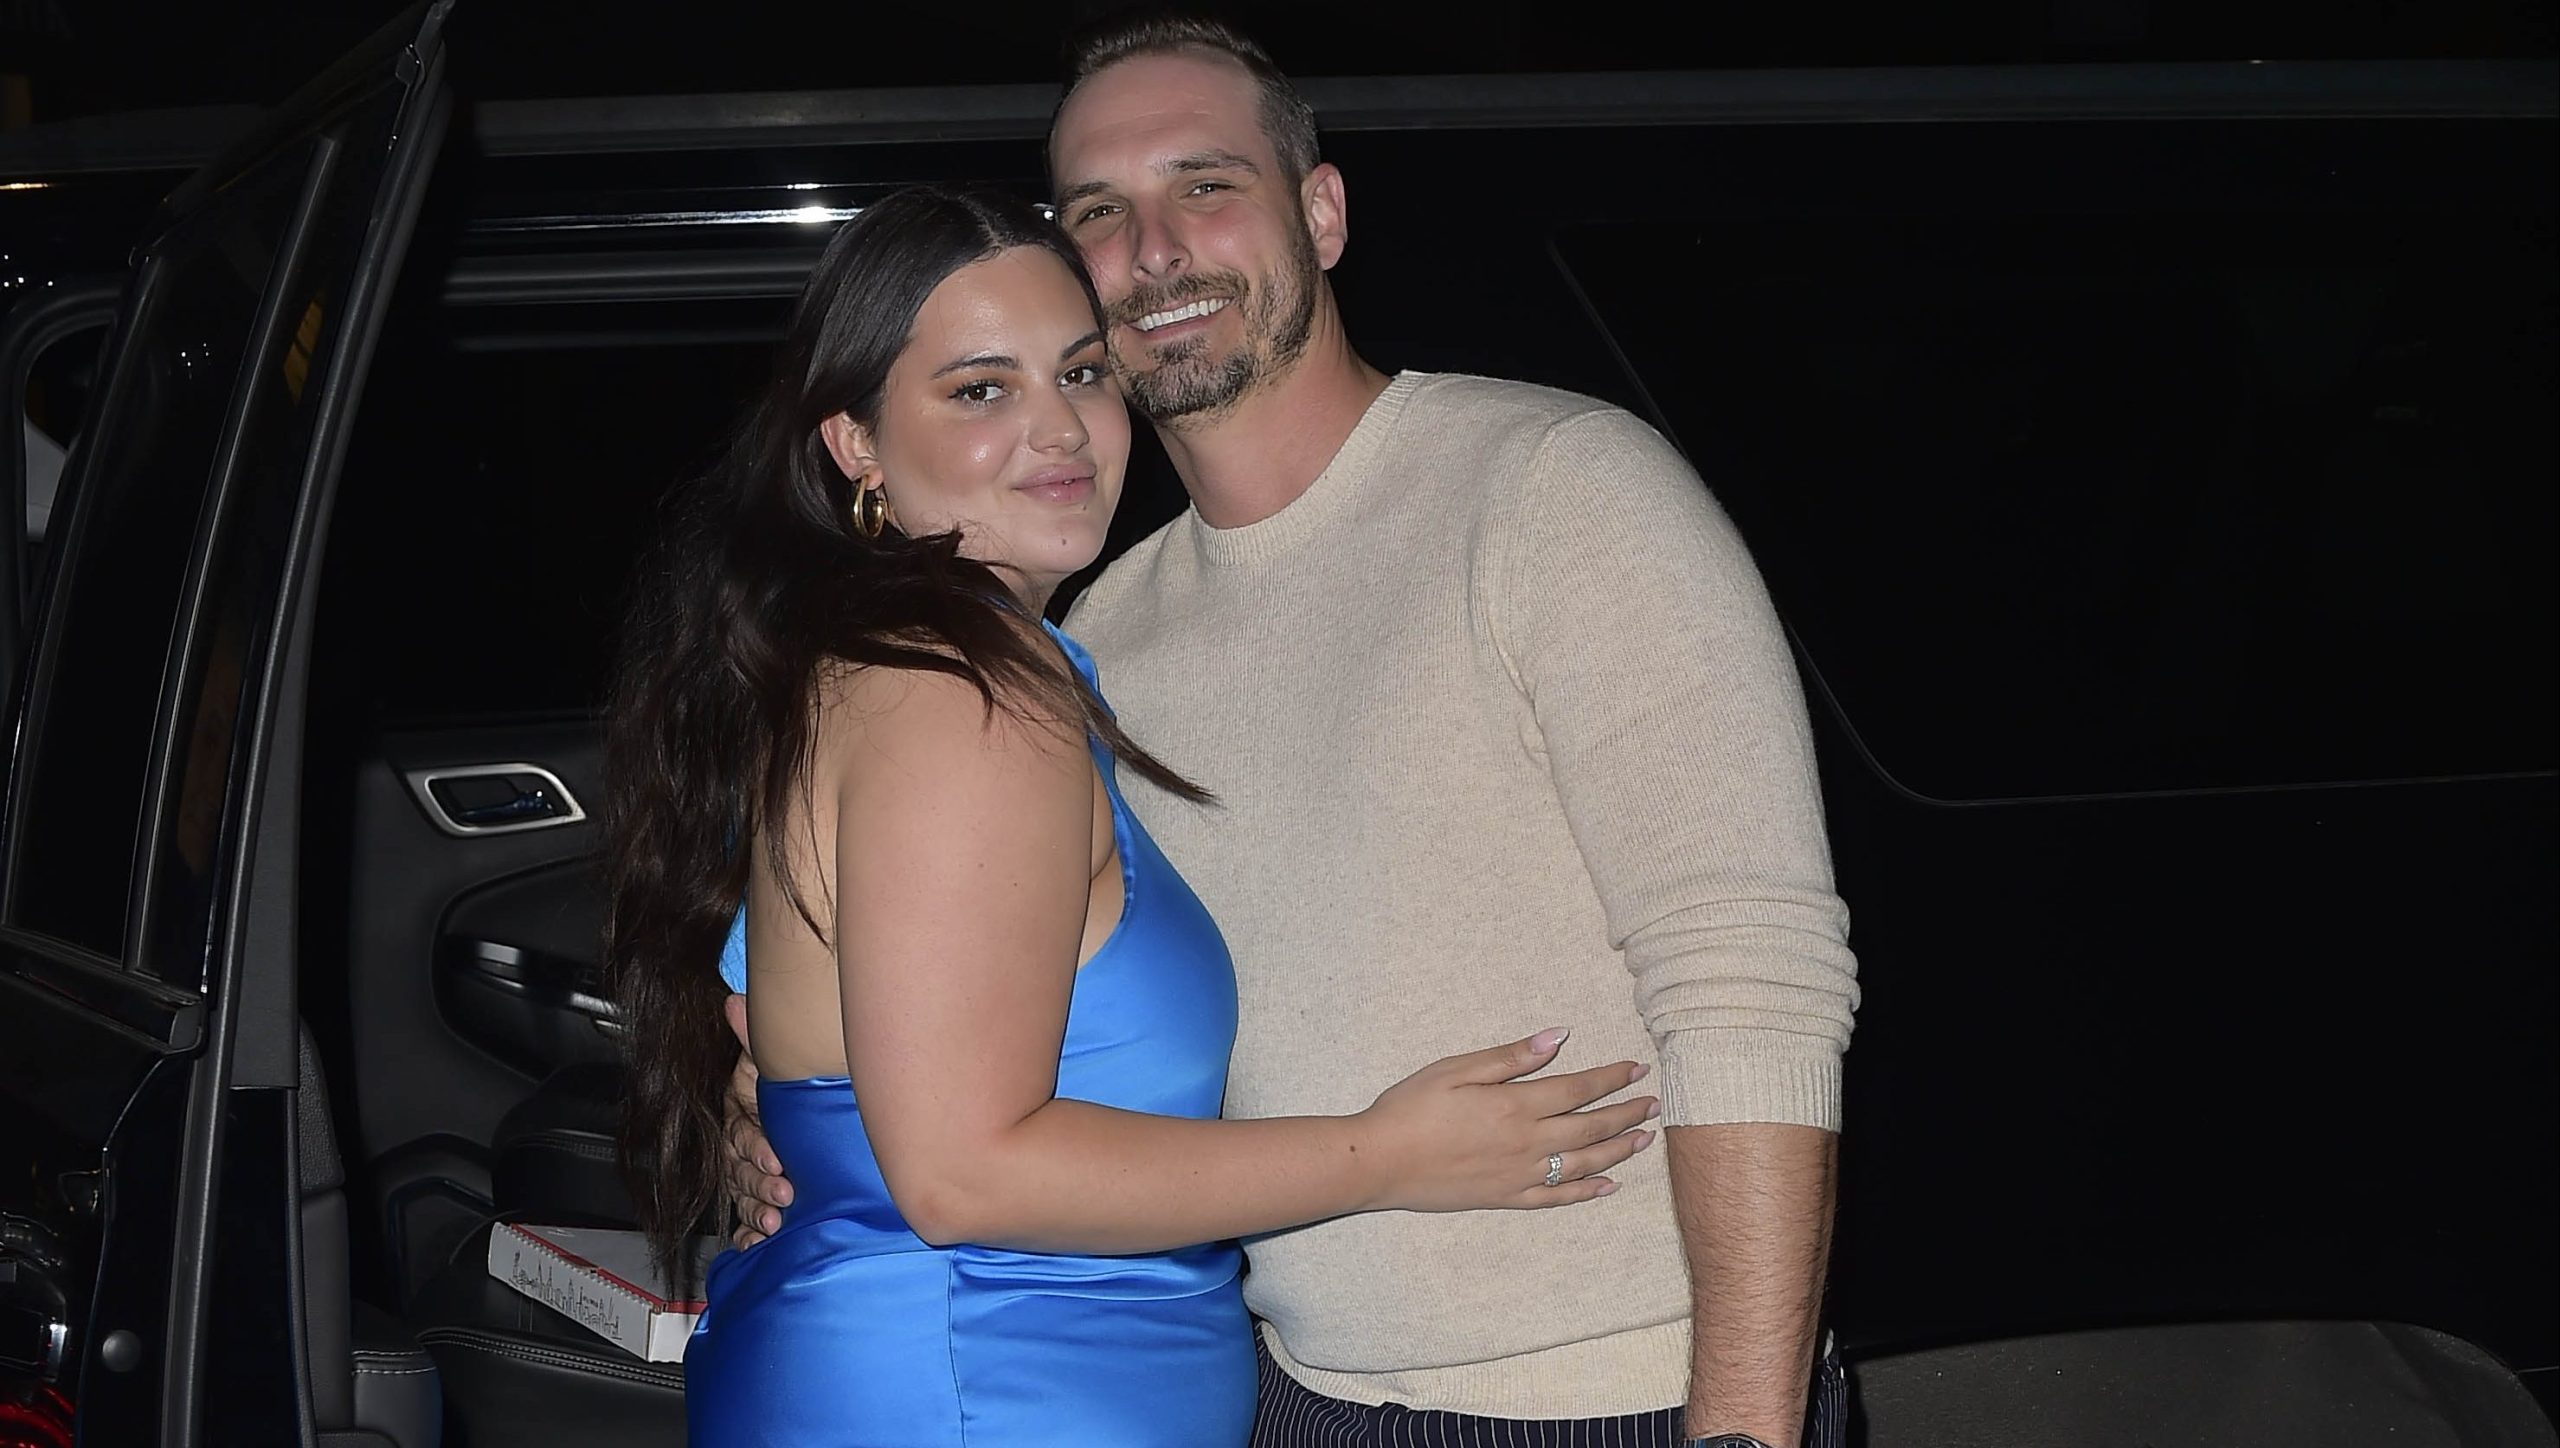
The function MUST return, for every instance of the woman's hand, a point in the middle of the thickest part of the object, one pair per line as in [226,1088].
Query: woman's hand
[1464,1133]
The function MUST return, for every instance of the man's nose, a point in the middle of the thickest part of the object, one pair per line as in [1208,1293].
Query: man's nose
[1160,252]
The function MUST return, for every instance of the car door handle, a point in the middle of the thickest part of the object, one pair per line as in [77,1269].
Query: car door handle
[493,799]
[529,804]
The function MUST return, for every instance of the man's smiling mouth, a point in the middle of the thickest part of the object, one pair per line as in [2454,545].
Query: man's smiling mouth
[1205,306]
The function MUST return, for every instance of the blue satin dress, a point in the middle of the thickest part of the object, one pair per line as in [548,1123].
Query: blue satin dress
[846,1329]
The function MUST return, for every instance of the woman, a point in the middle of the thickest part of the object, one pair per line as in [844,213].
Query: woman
[991,1021]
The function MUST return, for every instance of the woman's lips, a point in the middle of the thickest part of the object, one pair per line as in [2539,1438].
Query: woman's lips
[1058,485]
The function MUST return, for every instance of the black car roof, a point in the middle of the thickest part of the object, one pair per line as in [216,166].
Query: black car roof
[178,139]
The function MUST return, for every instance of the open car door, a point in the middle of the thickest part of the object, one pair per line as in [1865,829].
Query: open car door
[151,1174]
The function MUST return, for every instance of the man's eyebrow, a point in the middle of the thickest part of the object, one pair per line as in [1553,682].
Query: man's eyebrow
[1212,161]
[1178,166]
[996,360]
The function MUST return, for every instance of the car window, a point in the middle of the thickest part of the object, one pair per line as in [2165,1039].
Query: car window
[245,560]
[2227,493]
[60,386]
[48,413]
[501,490]
[87,750]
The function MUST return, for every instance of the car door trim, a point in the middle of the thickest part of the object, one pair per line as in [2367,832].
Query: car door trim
[421,780]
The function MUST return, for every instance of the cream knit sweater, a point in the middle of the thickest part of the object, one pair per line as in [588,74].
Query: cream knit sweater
[1504,735]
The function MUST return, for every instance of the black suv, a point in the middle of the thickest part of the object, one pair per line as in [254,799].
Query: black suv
[2154,466]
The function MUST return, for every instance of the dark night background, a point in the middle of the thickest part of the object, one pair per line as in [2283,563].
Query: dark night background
[65,58]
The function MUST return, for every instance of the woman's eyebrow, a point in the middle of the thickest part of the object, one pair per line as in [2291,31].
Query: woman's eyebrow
[982,359]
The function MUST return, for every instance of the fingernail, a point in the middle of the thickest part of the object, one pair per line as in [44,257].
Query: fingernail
[1606,1186]
[1548,1039]
[1653,1110]
[1641,1072]
[1643,1140]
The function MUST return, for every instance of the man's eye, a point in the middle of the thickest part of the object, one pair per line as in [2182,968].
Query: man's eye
[1094,213]
[984,390]
[1206,186]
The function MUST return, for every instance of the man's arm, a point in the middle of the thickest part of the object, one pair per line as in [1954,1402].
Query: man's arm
[757,1189]
[1755,1221]
[1668,706]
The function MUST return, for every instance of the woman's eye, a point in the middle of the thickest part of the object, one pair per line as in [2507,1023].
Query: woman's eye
[1083,374]
[984,390]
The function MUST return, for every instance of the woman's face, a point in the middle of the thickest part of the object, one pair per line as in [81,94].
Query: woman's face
[1000,421]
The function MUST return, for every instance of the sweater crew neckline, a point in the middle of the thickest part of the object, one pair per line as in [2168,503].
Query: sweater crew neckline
[1332,491]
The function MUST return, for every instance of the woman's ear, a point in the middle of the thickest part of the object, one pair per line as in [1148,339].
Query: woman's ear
[849,443]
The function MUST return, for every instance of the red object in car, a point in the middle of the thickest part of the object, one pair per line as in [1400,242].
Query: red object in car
[42,1421]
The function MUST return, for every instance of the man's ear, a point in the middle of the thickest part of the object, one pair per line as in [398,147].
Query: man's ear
[849,443]
[1328,220]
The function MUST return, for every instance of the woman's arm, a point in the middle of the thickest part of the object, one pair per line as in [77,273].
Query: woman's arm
[964,848]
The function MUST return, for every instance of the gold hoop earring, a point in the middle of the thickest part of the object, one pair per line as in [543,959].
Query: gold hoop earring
[871,514]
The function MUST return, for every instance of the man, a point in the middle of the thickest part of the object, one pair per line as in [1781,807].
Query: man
[1501,723]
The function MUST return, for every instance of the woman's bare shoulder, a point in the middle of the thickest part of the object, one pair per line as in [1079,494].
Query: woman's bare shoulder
[932,717]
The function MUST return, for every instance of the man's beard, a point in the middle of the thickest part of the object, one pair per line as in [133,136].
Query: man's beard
[1184,381]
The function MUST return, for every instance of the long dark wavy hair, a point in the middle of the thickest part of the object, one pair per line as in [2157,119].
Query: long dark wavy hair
[758,583]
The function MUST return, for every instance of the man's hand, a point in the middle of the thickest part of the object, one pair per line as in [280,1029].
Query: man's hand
[757,1189]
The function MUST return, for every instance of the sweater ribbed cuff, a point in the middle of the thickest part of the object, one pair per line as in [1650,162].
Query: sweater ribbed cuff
[1729,1077]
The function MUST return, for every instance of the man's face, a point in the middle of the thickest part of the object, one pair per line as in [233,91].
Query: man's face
[1196,236]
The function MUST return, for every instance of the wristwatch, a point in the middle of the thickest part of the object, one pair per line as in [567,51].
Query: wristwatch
[1728,1440]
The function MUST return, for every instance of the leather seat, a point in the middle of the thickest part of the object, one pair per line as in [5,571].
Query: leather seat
[554,1158]
[372,1384]
[519,1375]
[2278,1384]
[397,1393]
[514,1371]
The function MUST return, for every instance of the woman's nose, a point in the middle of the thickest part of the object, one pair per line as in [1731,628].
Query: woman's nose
[1059,427]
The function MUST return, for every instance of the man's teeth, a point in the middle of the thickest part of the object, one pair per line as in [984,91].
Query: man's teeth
[1153,320]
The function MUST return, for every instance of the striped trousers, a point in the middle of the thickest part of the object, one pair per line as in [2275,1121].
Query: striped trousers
[1287,1415]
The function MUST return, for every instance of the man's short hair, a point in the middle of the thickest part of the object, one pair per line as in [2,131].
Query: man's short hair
[1287,120]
